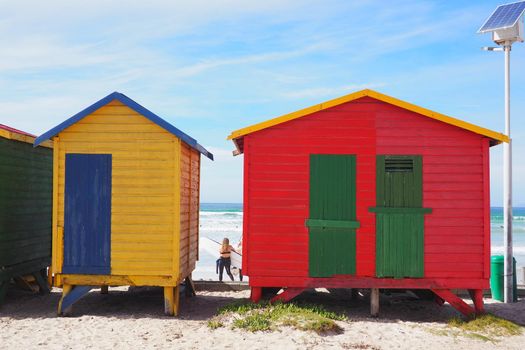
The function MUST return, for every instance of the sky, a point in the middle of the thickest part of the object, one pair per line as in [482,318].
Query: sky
[210,67]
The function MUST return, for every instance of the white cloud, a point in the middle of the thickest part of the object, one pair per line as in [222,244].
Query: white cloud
[213,66]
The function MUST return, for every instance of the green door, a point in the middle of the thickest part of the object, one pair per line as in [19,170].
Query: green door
[332,222]
[399,217]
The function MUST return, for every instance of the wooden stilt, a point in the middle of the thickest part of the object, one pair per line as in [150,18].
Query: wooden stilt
[70,295]
[354,294]
[42,283]
[477,298]
[255,295]
[176,300]
[287,295]
[190,287]
[169,300]
[50,276]
[374,302]
[66,289]
[104,289]
[3,290]
[23,283]
[455,301]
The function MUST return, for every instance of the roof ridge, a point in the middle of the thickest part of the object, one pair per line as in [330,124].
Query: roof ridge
[496,136]
[134,106]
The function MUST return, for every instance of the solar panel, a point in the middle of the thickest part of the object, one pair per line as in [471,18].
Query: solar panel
[505,16]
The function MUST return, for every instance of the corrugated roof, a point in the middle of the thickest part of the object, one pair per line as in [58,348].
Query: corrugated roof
[494,135]
[134,106]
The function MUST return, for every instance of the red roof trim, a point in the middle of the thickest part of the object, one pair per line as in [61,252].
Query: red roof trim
[10,129]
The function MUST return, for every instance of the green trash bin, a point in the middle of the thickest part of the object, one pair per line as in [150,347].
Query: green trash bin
[496,277]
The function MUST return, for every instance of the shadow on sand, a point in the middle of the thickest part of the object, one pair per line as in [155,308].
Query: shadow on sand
[147,302]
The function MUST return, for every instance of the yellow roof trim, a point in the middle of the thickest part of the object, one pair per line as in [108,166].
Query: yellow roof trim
[499,137]
[22,138]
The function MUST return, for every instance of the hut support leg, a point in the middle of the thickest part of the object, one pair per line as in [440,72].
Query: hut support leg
[190,287]
[41,281]
[104,289]
[70,295]
[439,300]
[477,298]
[171,301]
[374,302]
[50,276]
[22,283]
[256,294]
[455,301]
[3,290]
[354,294]
[287,295]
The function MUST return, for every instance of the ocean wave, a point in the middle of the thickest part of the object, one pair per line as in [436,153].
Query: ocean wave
[211,230]
[221,213]
[499,229]
[499,218]
[220,222]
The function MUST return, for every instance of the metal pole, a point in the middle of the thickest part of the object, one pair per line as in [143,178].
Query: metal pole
[507,187]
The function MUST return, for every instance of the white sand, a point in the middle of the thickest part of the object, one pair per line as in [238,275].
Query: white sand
[133,319]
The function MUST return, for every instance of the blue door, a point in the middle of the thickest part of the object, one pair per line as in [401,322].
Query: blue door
[87,214]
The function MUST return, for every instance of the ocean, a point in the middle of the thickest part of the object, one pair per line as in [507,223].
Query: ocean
[219,220]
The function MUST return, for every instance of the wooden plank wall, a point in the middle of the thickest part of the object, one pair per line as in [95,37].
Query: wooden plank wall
[143,186]
[453,187]
[276,188]
[26,202]
[189,209]
[275,235]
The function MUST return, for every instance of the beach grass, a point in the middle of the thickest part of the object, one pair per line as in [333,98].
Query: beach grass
[266,317]
[214,324]
[486,327]
[487,324]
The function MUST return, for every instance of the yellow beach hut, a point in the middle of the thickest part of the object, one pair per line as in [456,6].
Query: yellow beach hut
[125,201]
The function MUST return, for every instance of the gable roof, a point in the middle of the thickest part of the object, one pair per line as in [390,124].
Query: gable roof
[237,135]
[134,106]
[19,135]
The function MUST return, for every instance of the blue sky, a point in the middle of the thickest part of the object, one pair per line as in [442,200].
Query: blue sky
[210,67]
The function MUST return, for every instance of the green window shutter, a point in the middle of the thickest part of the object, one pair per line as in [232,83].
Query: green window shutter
[399,181]
[332,222]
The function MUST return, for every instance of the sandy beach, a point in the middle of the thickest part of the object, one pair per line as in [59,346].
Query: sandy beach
[133,319]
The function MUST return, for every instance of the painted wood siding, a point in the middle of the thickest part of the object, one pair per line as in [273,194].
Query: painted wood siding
[189,209]
[143,186]
[25,203]
[277,188]
[453,186]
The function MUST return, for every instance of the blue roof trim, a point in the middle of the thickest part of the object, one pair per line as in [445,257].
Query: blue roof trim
[204,151]
[131,104]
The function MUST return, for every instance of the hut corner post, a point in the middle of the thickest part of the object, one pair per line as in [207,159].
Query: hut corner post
[256,294]
[171,301]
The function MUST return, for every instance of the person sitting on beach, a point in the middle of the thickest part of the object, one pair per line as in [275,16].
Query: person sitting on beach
[225,258]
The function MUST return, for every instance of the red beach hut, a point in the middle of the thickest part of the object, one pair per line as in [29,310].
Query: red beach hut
[367,191]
